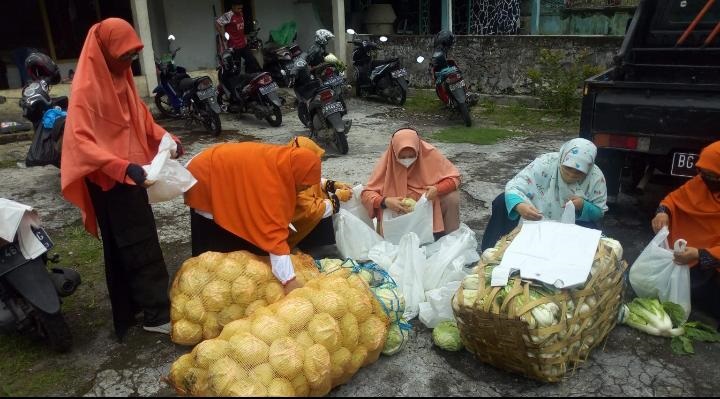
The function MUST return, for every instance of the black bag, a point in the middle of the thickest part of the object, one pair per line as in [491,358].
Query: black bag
[46,145]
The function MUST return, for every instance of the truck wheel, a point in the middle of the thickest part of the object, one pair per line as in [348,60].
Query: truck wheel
[55,330]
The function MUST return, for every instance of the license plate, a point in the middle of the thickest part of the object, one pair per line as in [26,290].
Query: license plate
[207,93]
[457,85]
[398,73]
[10,255]
[335,81]
[268,88]
[332,108]
[684,164]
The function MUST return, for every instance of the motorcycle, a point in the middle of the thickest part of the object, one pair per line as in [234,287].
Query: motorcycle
[330,74]
[320,107]
[385,78]
[450,85]
[30,293]
[244,93]
[180,96]
[279,60]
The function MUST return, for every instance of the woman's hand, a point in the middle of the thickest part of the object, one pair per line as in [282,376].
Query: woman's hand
[395,205]
[528,211]
[342,186]
[431,192]
[660,220]
[137,174]
[688,257]
[578,202]
[291,285]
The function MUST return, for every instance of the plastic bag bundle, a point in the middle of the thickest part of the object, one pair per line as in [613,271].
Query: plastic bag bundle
[308,342]
[213,289]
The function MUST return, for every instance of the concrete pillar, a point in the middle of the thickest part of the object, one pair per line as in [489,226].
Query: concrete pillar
[446,15]
[535,17]
[338,12]
[147,56]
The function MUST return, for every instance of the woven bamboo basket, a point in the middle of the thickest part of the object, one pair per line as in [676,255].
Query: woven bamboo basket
[498,325]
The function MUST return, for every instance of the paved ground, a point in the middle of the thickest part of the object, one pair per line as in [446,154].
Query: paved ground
[630,363]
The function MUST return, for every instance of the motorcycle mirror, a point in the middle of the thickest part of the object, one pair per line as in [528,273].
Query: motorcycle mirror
[420,59]
[227,36]
[383,39]
[350,31]
[171,37]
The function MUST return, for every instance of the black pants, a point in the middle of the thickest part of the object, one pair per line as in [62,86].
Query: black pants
[206,235]
[500,224]
[251,64]
[705,290]
[322,234]
[137,278]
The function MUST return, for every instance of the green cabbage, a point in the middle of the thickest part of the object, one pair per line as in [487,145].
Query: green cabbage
[447,336]
[396,339]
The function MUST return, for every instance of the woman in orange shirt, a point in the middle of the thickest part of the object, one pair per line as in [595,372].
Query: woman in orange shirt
[245,198]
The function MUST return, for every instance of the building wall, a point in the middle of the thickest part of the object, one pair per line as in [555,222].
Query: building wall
[193,25]
[495,64]
[271,14]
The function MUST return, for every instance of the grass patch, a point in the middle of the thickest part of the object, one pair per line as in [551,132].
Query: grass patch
[473,135]
[28,367]
[493,115]
[7,163]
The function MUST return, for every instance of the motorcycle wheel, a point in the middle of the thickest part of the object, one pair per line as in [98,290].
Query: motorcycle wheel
[162,102]
[465,113]
[275,119]
[55,330]
[400,95]
[211,120]
[341,143]
[303,114]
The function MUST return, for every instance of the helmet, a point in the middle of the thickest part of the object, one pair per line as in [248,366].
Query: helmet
[41,67]
[445,39]
[322,36]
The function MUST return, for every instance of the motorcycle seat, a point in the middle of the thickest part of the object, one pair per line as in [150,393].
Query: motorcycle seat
[377,63]
[307,91]
[186,84]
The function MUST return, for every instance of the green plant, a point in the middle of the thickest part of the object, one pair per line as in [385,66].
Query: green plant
[557,82]
[488,106]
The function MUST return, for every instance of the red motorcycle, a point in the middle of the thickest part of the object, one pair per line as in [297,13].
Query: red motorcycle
[450,86]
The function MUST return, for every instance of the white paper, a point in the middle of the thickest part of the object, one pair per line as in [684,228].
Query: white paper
[554,253]
[16,218]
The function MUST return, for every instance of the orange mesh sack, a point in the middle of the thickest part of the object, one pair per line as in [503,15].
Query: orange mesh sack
[308,342]
[214,289]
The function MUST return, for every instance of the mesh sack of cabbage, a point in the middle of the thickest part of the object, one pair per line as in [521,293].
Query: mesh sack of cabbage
[213,289]
[386,291]
[305,344]
[535,330]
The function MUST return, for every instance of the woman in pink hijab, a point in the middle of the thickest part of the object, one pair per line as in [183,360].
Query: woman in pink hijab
[411,167]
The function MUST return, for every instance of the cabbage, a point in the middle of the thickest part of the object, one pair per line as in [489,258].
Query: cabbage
[392,301]
[211,327]
[230,314]
[243,290]
[228,269]
[296,312]
[274,291]
[195,310]
[372,333]
[408,203]
[317,366]
[303,339]
[235,327]
[210,351]
[263,373]
[328,266]
[193,280]
[396,339]
[185,332]
[359,303]
[258,271]
[281,387]
[358,359]
[324,330]
[350,331]
[246,388]
[177,306]
[447,336]
[224,373]
[216,295]
[340,361]
[300,385]
[286,357]
[180,368]
[254,306]
[248,349]
[326,301]
[269,328]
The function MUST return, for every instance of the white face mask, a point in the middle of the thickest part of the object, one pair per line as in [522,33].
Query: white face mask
[406,162]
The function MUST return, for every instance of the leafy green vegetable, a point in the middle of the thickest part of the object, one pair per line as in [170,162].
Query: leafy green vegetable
[676,313]
[447,336]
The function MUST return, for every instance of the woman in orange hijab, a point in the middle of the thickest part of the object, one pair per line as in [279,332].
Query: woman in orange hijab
[411,167]
[315,206]
[109,133]
[692,212]
[245,198]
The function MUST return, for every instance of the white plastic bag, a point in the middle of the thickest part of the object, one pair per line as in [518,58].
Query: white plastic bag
[171,178]
[419,221]
[568,216]
[383,254]
[448,256]
[353,237]
[438,307]
[407,270]
[354,206]
[655,275]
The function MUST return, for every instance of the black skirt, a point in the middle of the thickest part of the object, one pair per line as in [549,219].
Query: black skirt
[206,235]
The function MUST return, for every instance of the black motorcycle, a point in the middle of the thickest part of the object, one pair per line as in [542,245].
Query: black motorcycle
[35,101]
[320,107]
[278,61]
[385,78]
[30,293]
[255,93]
[182,97]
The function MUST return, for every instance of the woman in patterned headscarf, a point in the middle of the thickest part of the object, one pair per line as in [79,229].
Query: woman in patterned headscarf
[541,190]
